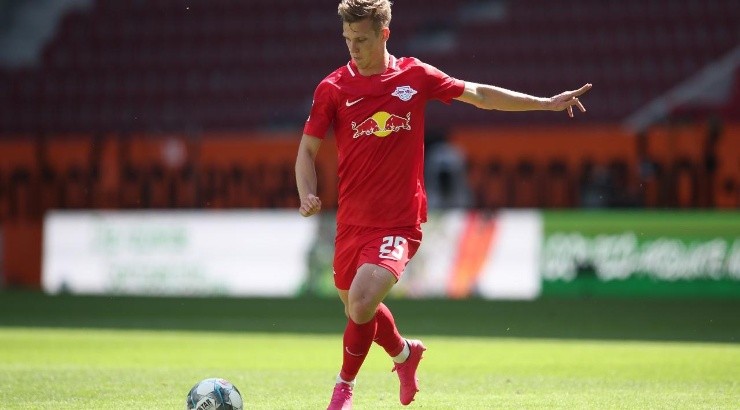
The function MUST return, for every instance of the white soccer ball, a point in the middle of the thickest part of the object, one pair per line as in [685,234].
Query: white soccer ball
[214,394]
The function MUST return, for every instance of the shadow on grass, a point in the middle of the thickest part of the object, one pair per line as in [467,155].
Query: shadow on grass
[613,319]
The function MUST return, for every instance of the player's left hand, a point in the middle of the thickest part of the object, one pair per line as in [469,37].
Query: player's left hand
[566,100]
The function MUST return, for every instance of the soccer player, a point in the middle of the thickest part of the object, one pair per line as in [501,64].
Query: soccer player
[376,104]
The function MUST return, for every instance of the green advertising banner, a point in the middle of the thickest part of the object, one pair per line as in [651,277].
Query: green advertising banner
[641,253]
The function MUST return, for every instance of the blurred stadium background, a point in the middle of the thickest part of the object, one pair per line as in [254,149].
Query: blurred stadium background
[147,147]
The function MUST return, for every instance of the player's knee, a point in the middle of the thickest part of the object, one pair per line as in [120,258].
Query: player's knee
[361,311]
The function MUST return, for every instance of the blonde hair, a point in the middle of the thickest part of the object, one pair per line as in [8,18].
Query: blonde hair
[378,11]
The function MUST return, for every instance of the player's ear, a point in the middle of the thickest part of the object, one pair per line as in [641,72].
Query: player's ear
[386,33]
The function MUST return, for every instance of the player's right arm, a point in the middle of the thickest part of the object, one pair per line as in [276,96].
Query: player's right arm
[305,175]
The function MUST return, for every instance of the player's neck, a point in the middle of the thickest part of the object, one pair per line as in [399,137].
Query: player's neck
[378,68]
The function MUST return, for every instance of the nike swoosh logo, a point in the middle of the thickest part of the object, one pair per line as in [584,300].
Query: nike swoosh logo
[349,103]
[355,355]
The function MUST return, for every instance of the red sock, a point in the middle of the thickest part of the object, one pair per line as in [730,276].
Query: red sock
[386,335]
[357,342]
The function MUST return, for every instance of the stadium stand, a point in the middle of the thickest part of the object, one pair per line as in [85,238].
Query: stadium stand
[233,65]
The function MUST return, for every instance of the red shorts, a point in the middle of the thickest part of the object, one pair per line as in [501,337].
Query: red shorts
[391,248]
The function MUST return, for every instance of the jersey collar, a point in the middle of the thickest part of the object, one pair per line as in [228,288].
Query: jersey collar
[392,66]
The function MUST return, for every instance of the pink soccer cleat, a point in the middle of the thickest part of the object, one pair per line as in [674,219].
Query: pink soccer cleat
[341,398]
[407,371]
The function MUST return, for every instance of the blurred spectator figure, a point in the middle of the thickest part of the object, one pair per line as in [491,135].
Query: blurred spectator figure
[445,173]
[647,172]
[597,186]
[710,161]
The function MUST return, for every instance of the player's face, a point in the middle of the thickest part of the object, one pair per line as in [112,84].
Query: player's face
[366,46]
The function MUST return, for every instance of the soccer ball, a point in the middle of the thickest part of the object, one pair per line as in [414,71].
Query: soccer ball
[214,394]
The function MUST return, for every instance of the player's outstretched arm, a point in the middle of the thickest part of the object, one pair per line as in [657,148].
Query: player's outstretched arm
[490,97]
[305,175]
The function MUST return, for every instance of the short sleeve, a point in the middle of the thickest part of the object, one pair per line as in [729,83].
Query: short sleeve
[323,110]
[441,86]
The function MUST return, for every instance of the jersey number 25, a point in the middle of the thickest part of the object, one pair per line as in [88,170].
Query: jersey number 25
[392,247]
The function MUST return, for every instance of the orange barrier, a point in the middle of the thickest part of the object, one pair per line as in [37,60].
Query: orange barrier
[541,144]
[21,247]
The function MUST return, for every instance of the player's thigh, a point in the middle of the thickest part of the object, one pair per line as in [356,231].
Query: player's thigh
[371,284]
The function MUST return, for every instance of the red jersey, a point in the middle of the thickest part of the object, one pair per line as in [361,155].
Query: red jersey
[379,128]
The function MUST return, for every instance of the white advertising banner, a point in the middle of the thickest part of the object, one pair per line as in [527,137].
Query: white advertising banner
[512,269]
[178,253]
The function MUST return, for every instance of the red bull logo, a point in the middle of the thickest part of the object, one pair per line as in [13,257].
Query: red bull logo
[381,124]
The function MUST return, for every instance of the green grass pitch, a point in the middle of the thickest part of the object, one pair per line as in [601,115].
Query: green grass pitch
[125,353]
